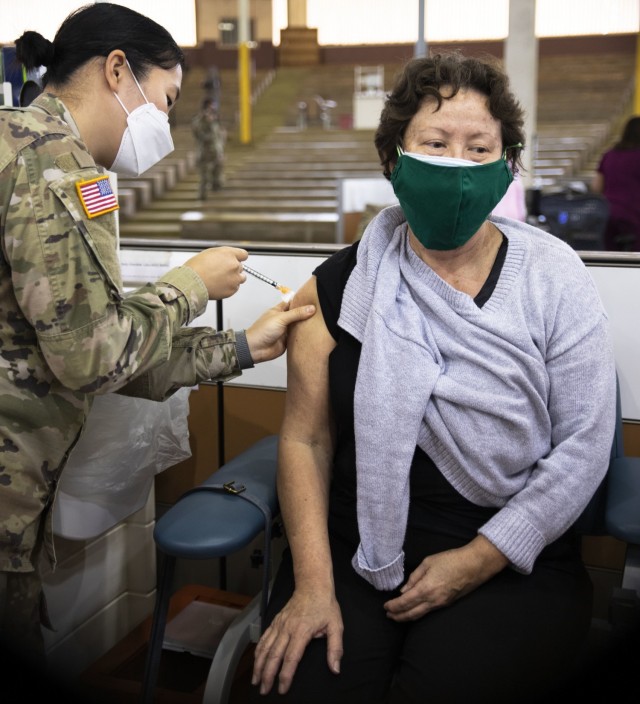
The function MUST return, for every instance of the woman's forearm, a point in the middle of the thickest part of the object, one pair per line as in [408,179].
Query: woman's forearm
[303,488]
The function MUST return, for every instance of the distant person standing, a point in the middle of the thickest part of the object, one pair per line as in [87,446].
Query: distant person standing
[211,137]
[212,85]
[618,179]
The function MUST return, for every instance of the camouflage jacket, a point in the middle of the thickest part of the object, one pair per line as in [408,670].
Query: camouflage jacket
[67,329]
[210,136]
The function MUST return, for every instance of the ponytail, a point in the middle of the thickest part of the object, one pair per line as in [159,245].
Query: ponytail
[96,30]
[33,50]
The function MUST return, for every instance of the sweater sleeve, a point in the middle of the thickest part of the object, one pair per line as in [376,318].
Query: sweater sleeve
[581,404]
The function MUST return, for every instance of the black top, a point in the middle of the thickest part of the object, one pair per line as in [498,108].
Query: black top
[439,517]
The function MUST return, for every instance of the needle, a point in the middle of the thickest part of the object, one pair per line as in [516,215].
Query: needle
[266,279]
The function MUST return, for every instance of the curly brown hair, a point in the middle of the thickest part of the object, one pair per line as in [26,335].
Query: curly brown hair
[424,78]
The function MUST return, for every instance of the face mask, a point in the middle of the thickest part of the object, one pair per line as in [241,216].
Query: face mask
[145,141]
[446,200]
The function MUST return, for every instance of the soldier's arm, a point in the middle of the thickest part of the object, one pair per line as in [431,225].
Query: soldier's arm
[197,354]
[66,278]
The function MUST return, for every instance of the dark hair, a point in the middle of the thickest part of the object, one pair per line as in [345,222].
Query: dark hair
[96,30]
[424,78]
[631,135]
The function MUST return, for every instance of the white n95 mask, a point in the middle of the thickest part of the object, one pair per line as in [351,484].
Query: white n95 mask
[146,139]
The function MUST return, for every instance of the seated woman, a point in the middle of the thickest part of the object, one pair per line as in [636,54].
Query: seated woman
[449,414]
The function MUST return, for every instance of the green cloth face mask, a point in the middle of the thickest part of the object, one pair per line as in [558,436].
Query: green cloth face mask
[446,200]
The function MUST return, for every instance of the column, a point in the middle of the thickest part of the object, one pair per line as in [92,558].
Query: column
[636,100]
[244,72]
[521,64]
[296,13]
[298,43]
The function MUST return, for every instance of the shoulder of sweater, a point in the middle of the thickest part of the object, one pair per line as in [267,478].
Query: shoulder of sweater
[541,244]
[552,270]
[553,280]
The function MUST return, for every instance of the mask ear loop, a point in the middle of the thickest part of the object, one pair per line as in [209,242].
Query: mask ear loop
[400,151]
[519,145]
[511,168]
[133,75]
[136,80]
[117,97]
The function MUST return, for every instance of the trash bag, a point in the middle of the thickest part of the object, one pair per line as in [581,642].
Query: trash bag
[125,442]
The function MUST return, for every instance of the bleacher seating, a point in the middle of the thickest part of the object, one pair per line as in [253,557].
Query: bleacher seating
[138,193]
[285,191]
[283,186]
[582,101]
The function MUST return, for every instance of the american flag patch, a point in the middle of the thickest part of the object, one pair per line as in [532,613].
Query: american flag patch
[96,196]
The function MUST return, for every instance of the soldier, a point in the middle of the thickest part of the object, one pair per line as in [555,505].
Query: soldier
[211,137]
[67,332]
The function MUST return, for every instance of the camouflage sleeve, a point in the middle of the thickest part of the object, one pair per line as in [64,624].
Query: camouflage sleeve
[67,282]
[194,352]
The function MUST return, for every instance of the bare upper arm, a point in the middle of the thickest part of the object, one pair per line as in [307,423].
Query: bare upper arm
[307,413]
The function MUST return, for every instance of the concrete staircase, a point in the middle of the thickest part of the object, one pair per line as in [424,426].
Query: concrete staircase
[281,187]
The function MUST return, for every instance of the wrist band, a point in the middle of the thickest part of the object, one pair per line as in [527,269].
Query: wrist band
[245,360]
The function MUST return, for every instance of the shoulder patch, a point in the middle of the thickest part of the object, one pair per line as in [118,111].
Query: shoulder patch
[67,162]
[72,161]
[84,159]
[97,196]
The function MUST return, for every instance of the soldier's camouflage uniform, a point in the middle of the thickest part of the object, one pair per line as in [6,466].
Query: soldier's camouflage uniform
[210,137]
[67,330]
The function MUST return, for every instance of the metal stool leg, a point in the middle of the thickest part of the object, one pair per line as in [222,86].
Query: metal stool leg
[156,638]
[229,652]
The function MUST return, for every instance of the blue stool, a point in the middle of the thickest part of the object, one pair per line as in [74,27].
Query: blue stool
[221,515]
[615,510]
[623,522]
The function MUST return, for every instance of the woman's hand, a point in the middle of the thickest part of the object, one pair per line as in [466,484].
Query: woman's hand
[220,268]
[306,615]
[442,578]
[267,337]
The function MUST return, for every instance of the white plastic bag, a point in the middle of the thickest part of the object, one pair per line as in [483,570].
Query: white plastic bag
[125,441]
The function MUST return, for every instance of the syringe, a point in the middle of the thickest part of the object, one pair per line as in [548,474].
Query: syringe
[267,280]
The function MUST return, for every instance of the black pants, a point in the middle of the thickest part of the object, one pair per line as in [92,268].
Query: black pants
[512,639]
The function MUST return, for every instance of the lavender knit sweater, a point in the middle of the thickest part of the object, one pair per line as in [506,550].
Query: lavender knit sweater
[514,401]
